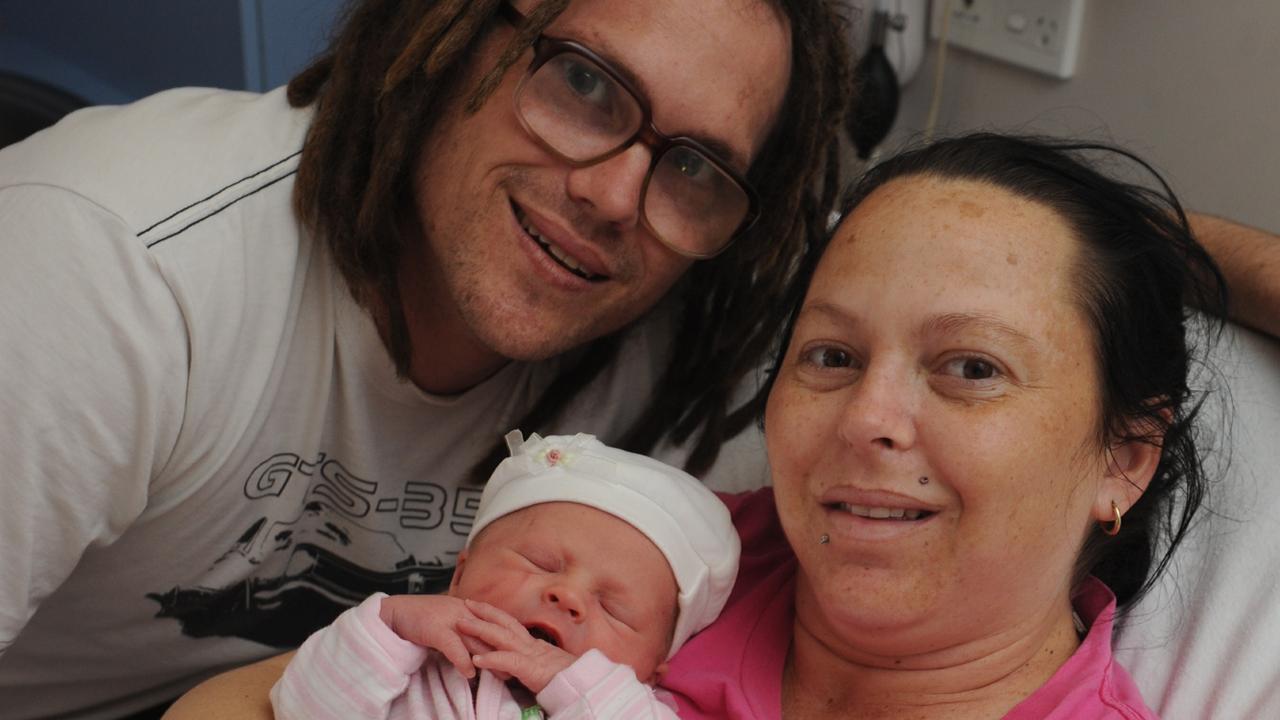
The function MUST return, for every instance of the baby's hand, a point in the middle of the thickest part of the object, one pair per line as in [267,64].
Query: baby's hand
[433,621]
[515,652]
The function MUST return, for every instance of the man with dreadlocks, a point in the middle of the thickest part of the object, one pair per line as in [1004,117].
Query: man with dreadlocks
[255,346]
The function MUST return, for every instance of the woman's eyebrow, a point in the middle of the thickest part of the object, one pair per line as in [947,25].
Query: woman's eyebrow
[828,310]
[980,322]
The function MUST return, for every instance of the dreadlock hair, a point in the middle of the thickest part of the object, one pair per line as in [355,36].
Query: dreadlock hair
[378,92]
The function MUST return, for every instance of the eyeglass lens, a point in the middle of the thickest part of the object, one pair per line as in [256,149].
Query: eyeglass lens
[580,111]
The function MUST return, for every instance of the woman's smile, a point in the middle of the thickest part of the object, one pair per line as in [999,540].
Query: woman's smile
[852,516]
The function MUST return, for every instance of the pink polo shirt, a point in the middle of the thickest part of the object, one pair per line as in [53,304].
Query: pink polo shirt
[733,669]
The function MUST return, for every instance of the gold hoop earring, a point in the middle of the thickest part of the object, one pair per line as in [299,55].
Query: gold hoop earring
[1115,524]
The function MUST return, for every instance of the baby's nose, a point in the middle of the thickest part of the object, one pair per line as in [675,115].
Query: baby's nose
[566,598]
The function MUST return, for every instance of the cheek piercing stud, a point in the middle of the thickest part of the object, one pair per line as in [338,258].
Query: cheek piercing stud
[824,539]
[923,480]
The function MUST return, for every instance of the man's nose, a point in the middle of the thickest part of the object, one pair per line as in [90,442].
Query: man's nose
[612,188]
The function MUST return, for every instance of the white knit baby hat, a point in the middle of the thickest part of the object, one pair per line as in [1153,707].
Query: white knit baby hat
[684,519]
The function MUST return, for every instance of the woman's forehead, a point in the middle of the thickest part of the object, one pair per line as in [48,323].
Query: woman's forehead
[950,246]
[939,220]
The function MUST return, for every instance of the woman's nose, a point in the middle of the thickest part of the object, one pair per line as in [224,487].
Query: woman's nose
[566,598]
[612,188]
[879,412]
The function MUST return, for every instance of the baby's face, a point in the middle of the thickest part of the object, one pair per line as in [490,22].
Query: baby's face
[576,577]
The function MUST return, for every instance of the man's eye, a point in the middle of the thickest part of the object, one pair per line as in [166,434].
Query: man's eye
[690,164]
[585,81]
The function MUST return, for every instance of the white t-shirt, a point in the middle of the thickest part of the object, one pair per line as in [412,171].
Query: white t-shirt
[206,452]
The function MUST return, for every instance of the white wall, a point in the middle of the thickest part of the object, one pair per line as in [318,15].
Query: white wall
[1192,86]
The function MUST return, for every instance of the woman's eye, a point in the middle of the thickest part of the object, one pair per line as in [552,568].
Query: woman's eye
[827,356]
[972,368]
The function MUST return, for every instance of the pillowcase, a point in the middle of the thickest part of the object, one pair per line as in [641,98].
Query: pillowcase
[1205,643]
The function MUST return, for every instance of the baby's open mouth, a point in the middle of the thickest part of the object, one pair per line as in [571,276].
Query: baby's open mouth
[540,632]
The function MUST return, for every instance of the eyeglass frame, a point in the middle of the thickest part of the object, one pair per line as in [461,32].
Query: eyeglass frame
[545,48]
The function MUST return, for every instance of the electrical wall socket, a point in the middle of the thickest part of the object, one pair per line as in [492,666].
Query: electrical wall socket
[1042,35]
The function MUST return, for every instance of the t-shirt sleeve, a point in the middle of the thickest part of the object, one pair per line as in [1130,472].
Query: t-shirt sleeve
[92,377]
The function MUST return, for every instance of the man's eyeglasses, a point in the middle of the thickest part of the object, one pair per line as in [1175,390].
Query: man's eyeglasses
[583,111]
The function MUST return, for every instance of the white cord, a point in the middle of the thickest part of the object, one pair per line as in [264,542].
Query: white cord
[935,103]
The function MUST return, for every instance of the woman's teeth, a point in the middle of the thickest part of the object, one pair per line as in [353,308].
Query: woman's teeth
[880,513]
[555,251]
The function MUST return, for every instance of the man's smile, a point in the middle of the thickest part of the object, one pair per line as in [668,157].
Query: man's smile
[553,250]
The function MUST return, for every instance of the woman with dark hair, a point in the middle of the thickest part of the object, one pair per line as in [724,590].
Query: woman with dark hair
[979,429]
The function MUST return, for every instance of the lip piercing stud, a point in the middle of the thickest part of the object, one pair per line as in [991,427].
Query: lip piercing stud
[824,539]
[923,480]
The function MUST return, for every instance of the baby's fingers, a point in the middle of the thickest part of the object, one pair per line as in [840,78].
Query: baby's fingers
[496,636]
[474,645]
[454,649]
[485,611]
[517,665]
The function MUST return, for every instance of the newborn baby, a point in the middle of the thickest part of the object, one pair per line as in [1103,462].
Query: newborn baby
[586,568]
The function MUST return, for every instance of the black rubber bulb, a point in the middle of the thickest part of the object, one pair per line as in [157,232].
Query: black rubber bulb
[875,101]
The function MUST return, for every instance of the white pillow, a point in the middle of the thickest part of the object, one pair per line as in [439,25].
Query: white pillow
[1205,643]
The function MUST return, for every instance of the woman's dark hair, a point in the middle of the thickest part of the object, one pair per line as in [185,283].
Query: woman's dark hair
[1138,270]
[392,71]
